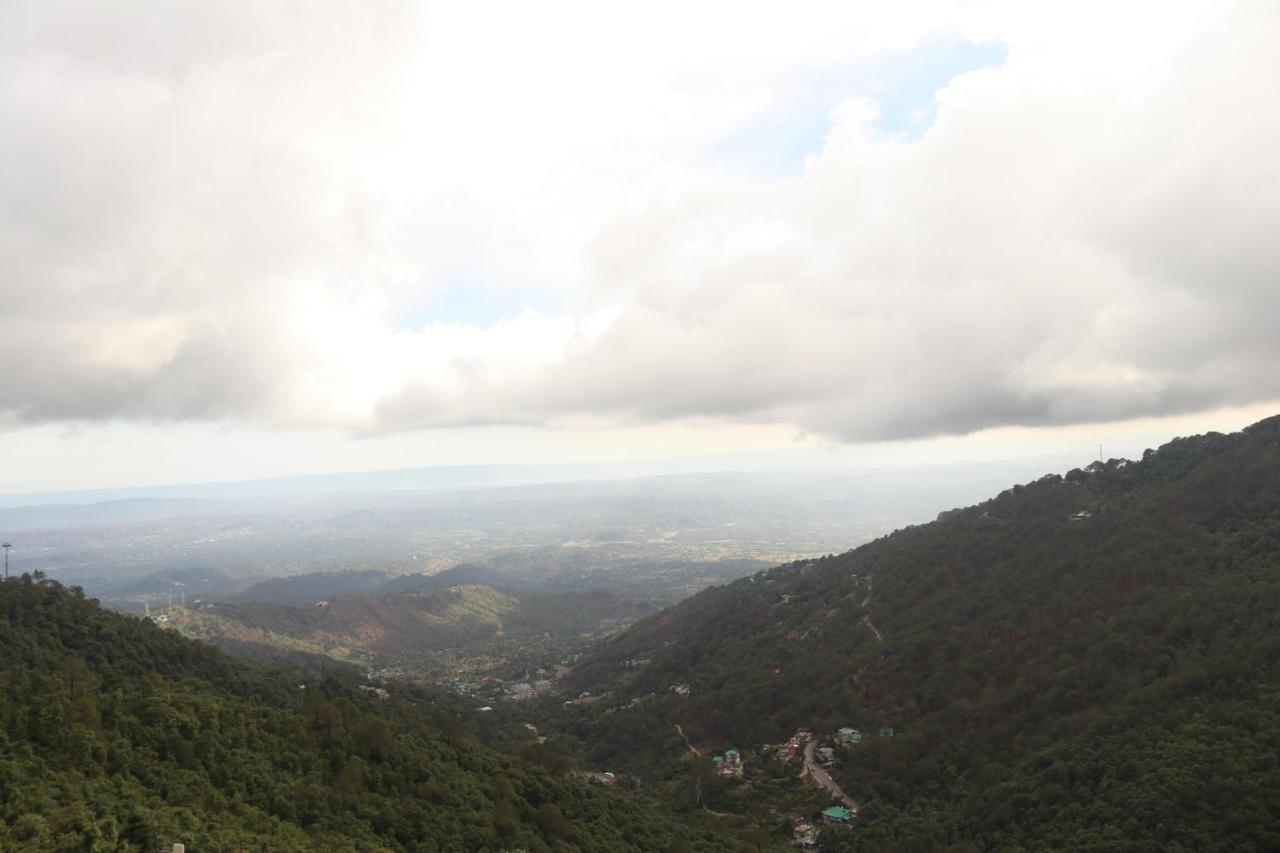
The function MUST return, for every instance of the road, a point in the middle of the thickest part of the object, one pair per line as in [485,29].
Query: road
[821,778]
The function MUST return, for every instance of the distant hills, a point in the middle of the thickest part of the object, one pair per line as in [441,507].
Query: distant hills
[407,615]
[1084,662]
[131,546]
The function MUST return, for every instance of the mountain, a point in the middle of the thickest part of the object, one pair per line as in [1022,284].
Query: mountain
[117,735]
[1084,662]
[106,512]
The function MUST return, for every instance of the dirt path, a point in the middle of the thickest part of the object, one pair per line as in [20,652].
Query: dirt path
[866,620]
[822,779]
[692,748]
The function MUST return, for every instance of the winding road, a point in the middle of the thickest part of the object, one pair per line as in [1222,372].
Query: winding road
[823,779]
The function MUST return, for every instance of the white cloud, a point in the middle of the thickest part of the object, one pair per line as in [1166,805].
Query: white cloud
[224,213]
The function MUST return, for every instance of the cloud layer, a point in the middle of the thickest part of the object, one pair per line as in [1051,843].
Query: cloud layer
[246,213]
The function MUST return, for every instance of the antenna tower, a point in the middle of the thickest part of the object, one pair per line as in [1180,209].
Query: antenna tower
[6,546]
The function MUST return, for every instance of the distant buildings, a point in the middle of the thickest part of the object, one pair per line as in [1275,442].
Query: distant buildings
[848,735]
[524,690]
[792,747]
[729,764]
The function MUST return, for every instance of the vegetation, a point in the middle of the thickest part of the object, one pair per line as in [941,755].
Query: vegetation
[116,735]
[1088,662]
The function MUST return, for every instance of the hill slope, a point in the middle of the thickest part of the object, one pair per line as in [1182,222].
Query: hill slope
[408,623]
[1088,663]
[115,735]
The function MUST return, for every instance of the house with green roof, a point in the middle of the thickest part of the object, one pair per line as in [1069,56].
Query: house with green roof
[837,814]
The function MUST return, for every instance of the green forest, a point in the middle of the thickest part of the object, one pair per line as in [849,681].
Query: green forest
[1085,662]
[117,735]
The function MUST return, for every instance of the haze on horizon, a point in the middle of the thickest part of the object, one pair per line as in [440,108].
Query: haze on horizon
[243,241]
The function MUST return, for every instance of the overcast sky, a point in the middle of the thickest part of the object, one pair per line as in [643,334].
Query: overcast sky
[245,239]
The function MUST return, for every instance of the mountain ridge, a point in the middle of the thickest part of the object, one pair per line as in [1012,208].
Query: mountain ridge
[1116,605]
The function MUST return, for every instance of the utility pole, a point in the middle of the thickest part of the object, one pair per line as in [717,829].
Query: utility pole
[6,546]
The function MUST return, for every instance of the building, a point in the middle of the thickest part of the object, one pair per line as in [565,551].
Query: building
[729,764]
[804,834]
[848,735]
[837,814]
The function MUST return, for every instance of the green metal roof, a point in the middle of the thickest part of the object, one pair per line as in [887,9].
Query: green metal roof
[838,813]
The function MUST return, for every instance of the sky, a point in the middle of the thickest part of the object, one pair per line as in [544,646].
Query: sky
[245,239]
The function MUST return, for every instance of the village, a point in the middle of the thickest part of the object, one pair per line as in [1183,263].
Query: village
[816,759]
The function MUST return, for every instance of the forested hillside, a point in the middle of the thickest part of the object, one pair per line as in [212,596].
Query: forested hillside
[116,735]
[1088,662]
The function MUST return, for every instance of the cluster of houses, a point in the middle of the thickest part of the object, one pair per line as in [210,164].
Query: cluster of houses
[848,735]
[804,832]
[681,689]
[523,690]
[792,747]
[728,765]
[379,692]
[486,684]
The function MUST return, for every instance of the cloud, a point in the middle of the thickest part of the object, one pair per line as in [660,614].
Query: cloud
[227,214]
